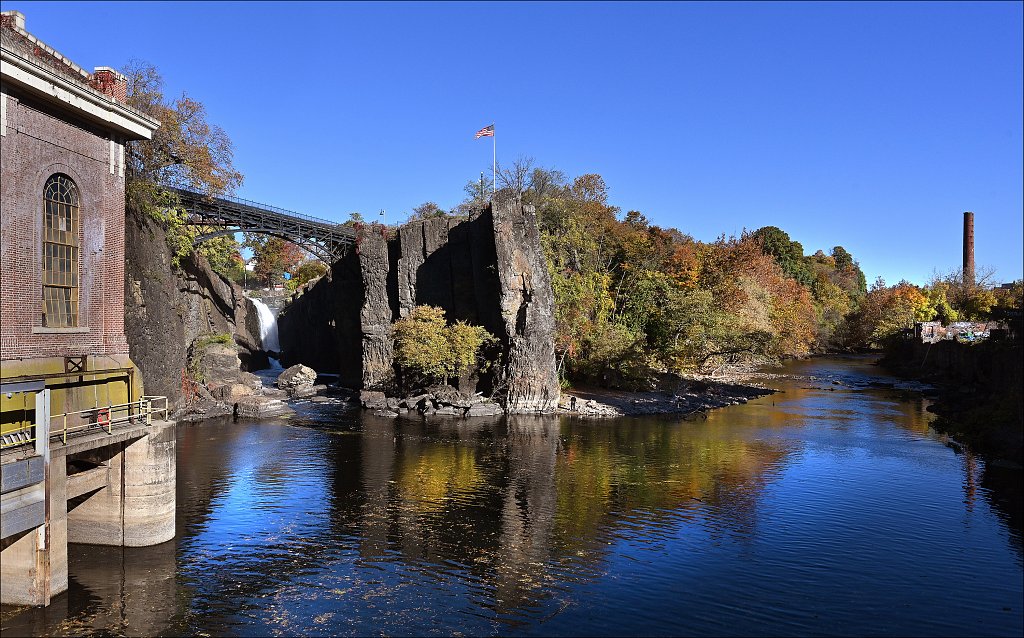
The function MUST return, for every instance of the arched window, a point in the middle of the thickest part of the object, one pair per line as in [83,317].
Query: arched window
[60,252]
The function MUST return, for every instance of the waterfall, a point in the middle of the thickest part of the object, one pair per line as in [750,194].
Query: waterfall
[268,327]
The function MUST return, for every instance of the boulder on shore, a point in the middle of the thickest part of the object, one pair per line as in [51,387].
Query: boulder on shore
[373,400]
[297,380]
[257,407]
[218,363]
[485,408]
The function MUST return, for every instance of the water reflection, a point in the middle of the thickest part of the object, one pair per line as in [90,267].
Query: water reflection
[826,508]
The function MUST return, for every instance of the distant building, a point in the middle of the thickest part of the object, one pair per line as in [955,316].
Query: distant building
[934,331]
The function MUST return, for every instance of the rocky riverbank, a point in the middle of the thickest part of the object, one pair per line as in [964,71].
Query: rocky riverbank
[442,400]
[979,398]
[215,385]
[691,398]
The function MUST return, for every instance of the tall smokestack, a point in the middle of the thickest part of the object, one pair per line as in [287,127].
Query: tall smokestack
[968,249]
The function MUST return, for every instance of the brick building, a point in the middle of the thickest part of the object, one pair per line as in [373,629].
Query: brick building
[62,196]
[82,457]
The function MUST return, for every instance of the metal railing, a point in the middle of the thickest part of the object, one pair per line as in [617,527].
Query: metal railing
[106,417]
[193,196]
[99,418]
[326,239]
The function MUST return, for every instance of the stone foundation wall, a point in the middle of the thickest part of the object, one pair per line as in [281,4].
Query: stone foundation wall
[487,270]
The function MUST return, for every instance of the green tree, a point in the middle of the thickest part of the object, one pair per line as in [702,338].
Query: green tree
[465,341]
[843,259]
[305,272]
[225,256]
[788,253]
[478,193]
[971,301]
[421,346]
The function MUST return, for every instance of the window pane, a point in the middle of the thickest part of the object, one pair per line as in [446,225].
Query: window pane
[60,252]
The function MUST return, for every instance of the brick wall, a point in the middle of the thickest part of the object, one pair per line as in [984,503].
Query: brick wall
[36,143]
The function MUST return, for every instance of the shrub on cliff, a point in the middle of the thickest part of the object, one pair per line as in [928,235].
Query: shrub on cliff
[429,349]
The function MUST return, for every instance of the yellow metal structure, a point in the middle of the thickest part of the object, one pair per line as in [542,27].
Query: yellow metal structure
[106,417]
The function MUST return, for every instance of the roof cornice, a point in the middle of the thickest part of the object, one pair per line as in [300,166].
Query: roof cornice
[89,103]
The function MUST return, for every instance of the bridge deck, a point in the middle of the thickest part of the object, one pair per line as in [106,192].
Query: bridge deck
[326,239]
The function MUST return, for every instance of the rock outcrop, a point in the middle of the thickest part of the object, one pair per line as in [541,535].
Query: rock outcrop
[487,270]
[258,407]
[168,309]
[528,310]
[297,381]
[437,401]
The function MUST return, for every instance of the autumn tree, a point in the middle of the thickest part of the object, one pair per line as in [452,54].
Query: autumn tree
[972,301]
[306,271]
[426,210]
[272,256]
[185,151]
[428,349]
[632,299]
[545,184]
[1011,297]
[889,310]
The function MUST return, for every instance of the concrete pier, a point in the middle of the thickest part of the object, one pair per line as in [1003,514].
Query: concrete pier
[115,488]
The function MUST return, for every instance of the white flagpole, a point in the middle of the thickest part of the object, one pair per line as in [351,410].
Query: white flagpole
[494,162]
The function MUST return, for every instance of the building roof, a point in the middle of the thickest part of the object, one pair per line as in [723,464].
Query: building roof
[32,65]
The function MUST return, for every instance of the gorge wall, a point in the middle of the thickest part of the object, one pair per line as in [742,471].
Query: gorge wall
[168,309]
[487,270]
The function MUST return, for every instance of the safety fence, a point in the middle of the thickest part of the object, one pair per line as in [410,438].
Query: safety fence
[100,418]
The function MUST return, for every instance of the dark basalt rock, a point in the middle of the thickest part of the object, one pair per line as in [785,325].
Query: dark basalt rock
[484,409]
[486,270]
[168,309]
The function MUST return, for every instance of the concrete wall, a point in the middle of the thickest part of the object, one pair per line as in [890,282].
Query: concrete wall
[135,505]
[120,493]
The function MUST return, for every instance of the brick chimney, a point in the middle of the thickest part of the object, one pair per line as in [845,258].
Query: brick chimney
[968,249]
[109,81]
[13,20]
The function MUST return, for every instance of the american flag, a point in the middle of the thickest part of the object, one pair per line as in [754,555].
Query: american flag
[487,131]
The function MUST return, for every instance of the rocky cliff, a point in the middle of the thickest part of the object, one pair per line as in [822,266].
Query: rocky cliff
[487,270]
[168,309]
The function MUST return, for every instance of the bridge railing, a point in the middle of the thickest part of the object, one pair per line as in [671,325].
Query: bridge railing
[262,207]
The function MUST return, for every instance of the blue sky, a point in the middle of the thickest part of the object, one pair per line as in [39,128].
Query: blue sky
[871,125]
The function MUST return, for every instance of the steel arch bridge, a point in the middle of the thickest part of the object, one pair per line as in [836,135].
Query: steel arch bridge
[327,240]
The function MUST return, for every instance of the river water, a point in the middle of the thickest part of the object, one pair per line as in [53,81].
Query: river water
[828,508]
